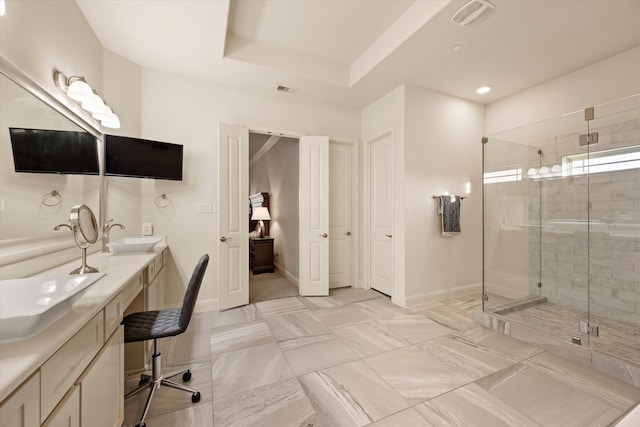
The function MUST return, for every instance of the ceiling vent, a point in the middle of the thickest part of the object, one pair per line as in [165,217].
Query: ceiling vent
[473,12]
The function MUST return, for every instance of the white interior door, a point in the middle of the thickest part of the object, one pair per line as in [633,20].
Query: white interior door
[340,215]
[381,214]
[233,223]
[314,215]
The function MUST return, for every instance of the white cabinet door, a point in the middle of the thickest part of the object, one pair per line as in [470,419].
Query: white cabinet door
[233,217]
[23,408]
[102,386]
[67,413]
[314,215]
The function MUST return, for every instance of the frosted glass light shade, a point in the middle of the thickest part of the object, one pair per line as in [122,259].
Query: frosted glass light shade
[96,105]
[80,91]
[112,121]
[260,213]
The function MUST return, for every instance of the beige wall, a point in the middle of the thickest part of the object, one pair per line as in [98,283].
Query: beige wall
[187,111]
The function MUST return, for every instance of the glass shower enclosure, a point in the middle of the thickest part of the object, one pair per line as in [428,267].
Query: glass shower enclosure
[562,230]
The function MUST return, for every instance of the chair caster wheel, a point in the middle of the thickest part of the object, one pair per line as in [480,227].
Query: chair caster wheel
[186,376]
[195,397]
[142,424]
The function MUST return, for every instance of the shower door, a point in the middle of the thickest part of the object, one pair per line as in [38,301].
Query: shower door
[511,233]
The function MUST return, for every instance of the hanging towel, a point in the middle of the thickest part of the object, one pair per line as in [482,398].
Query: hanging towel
[449,210]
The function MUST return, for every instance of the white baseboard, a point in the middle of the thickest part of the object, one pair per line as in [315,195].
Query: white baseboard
[441,294]
[207,305]
[290,277]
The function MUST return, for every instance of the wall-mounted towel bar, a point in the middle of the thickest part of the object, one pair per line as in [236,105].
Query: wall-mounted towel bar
[462,197]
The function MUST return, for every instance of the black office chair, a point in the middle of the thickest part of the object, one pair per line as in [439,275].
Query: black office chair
[151,325]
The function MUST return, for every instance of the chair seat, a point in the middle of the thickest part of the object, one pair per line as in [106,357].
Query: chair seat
[148,325]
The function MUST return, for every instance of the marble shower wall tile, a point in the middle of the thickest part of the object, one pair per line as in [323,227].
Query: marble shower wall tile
[547,400]
[237,336]
[351,395]
[414,374]
[283,403]
[296,325]
[241,370]
[471,405]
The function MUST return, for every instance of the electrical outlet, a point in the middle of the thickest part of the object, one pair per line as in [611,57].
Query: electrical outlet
[147,229]
[204,208]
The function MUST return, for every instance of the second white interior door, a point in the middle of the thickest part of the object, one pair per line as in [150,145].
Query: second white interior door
[341,215]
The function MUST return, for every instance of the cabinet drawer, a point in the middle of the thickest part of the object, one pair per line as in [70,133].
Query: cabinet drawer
[62,369]
[22,409]
[132,289]
[113,315]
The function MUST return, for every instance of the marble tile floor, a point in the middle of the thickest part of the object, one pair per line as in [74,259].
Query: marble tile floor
[618,338]
[267,286]
[355,359]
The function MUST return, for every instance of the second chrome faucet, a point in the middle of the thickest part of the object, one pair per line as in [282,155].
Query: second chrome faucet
[106,230]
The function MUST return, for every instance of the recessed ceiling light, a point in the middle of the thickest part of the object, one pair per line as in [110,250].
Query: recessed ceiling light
[483,89]
[457,47]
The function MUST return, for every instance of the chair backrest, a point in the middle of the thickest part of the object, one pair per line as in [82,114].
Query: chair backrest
[190,297]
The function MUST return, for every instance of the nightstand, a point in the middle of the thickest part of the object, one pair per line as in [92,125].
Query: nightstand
[261,255]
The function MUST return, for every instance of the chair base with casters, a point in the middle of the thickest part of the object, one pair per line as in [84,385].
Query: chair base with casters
[152,325]
[156,379]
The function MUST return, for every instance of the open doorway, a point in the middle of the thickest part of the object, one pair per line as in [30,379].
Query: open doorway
[274,185]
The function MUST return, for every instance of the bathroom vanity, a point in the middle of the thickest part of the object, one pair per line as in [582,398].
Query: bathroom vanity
[71,372]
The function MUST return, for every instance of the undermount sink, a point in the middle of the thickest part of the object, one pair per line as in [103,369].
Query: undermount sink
[29,305]
[133,244]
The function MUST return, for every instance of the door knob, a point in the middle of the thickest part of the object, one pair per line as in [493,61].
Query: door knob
[224,239]
[388,235]
[348,233]
[325,235]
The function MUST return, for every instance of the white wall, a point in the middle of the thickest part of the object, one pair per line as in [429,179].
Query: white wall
[386,115]
[187,111]
[437,148]
[599,83]
[277,173]
[443,152]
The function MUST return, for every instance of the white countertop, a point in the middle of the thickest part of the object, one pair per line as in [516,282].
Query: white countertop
[20,359]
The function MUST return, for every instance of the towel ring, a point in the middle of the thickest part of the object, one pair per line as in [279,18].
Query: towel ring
[52,199]
[162,201]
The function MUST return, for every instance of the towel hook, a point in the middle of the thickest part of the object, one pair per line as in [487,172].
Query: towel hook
[51,199]
[162,201]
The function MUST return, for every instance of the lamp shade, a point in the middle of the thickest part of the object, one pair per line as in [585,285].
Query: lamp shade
[260,213]
[79,90]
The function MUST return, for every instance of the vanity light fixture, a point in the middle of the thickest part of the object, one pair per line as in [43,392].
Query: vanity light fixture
[77,88]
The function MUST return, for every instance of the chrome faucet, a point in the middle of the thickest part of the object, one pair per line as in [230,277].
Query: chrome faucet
[59,226]
[106,229]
